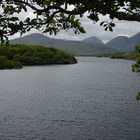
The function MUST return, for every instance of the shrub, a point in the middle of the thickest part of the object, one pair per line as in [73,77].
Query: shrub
[3,61]
[138,96]
[13,64]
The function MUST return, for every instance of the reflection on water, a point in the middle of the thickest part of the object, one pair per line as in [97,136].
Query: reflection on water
[94,99]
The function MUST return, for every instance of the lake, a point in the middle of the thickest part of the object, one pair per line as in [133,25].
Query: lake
[91,100]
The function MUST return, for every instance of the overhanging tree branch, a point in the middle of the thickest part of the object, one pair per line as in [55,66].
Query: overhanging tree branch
[56,15]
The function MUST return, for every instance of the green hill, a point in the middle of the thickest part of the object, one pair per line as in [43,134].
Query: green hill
[16,56]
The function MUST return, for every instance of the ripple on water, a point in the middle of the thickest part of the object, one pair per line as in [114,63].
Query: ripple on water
[93,100]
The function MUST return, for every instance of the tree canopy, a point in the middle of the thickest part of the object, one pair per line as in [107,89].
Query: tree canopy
[16,56]
[55,15]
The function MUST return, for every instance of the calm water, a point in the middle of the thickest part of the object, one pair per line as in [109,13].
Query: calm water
[91,100]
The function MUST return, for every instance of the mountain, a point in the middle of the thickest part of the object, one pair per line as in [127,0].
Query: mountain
[120,43]
[135,40]
[74,47]
[123,43]
[94,40]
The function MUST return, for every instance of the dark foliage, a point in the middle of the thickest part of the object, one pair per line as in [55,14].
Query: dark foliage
[14,56]
[53,15]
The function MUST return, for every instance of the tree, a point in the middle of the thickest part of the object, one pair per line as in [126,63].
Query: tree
[55,15]
[136,66]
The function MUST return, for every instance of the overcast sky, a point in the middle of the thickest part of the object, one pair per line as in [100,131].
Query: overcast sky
[122,28]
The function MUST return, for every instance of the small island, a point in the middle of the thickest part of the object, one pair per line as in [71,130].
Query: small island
[17,56]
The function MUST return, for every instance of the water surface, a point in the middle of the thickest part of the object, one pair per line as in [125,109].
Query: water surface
[91,100]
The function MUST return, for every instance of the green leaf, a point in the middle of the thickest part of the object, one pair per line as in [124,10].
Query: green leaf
[112,24]
[110,28]
[14,19]
[102,23]
[106,28]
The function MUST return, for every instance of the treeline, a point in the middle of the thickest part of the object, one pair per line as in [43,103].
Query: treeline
[17,56]
[124,55]
[120,55]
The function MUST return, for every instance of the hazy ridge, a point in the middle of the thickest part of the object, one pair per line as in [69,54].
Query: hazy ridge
[123,43]
[91,46]
[75,47]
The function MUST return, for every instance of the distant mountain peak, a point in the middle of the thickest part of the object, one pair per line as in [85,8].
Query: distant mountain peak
[124,43]
[137,34]
[36,35]
[119,38]
[94,40]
